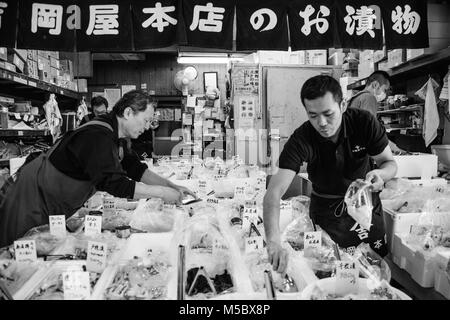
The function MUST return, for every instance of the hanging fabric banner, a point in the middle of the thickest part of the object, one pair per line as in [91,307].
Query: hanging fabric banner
[209,23]
[157,23]
[359,24]
[48,25]
[311,24]
[261,25]
[8,18]
[105,25]
[405,24]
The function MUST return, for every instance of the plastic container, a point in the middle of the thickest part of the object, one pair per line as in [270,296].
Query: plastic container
[442,282]
[420,265]
[443,154]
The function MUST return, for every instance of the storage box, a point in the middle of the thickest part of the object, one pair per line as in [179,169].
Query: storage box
[44,66]
[422,166]
[53,54]
[396,57]
[66,67]
[336,59]
[352,65]
[442,283]
[9,66]
[366,56]
[32,55]
[17,60]
[379,55]
[54,63]
[43,54]
[3,54]
[316,57]
[23,54]
[83,87]
[32,69]
[365,69]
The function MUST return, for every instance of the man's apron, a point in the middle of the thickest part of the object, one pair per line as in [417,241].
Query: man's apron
[41,190]
[330,213]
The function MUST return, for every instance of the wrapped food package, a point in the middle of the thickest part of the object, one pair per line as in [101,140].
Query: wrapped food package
[152,216]
[45,241]
[15,274]
[358,199]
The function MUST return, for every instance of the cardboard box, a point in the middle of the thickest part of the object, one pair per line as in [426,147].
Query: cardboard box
[23,54]
[54,63]
[9,66]
[379,55]
[83,87]
[15,59]
[66,67]
[316,57]
[53,54]
[396,57]
[336,59]
[32,69]
[3,54]
[383,66]
[32,55]
[366,56]
[365,69]
[44,67]
[43,54]
[352,65]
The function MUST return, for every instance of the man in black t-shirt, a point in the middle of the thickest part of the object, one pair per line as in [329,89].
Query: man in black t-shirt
[338,146]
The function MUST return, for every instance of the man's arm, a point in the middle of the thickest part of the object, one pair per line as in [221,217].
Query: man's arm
[151,178]
[169,195]
[387,169]
[278,185]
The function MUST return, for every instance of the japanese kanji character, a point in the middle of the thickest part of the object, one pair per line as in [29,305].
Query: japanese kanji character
[103,20]
[410,19]
[47,16]
[377,244]
[159,17]
[3,5]
[213,22]
[257,19]
[362,233]
[364,17]
[320,22]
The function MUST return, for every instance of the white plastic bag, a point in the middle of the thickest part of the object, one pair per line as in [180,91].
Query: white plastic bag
[151,216]
[358,199]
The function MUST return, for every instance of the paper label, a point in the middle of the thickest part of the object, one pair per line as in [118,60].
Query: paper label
[261,183]
[218,176]
[25,250]
[202,186]
[109,205]
[312,239]
[212,200]
[239,192]
[96,256]
[249,216]
[92,225]
[254,244]
[57,225]
[76,285]
[169,206]
[347,275]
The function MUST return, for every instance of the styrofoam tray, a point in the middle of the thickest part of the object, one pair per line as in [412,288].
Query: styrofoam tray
[329,285]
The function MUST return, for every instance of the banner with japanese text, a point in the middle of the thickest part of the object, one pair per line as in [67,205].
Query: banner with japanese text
[359,24]
[48,24]
[312,24]
[405,24]
[105,25]
[8,18]
[157,23]
[209,23]
[261,25]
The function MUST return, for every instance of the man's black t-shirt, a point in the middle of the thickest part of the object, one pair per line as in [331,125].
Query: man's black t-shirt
[333,166]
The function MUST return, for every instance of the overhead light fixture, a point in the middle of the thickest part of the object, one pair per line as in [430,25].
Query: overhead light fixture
[205,58]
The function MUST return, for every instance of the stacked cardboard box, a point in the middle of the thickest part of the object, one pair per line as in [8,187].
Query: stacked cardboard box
[32,64]
[17,58]
[396,57]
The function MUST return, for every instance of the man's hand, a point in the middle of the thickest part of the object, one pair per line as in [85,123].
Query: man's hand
[374,178]
[185,191]
[278,256]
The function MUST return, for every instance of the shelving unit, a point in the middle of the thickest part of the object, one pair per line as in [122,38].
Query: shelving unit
[411,68]
[24,87]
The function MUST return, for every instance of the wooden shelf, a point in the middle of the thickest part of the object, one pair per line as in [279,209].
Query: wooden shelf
[401,110]
[411,67]
[23,133]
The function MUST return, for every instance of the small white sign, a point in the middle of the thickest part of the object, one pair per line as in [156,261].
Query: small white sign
[347,275]
[249,216]
[76,285]
[212,200]
[239,193]
[57,225]
[109,205]
[92,225]
[203,186]
[96,256]
[25,250]
[261,183]
[312,239]
[254,244]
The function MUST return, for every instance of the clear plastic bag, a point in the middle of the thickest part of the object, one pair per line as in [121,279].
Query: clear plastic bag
[371,265]
[152,216]
[358,199]
[45,241]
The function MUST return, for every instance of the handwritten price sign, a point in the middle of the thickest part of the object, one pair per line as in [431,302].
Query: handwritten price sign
[76,285]
[347,275]
[58,225]
[96,256]
[92,225]
[25,250]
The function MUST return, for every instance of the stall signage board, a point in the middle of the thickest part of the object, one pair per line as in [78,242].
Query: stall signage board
[96,256]
[92,225]
[57,225]
[25,250]
[347,275]
[76,285]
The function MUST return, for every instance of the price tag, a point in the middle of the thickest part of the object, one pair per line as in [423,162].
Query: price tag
[76,285]
[25,250]
[261,183]
[92,225]
[249,216]
[347,275]
[218,176]
[203,186]
[109,205]
[239,193]
[169,206]
[312,239]
[219,248]
[57,225]
[96,256]
[254,244]
[212,200]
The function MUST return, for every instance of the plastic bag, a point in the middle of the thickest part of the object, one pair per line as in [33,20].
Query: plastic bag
[211,249]
[371,265]
[151,216]
[358,199]
[45,241]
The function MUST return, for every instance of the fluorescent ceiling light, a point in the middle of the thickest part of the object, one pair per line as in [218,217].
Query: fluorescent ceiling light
[197,60]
